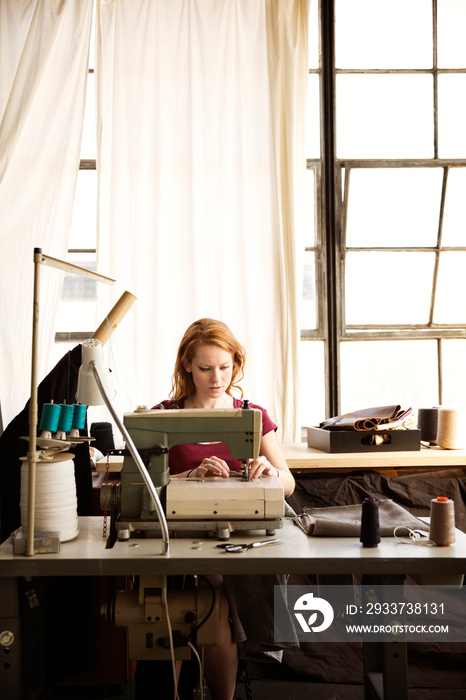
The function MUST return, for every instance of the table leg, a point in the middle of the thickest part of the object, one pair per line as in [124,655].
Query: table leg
[385,663]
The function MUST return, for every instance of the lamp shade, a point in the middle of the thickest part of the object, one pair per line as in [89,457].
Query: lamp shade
[88,392]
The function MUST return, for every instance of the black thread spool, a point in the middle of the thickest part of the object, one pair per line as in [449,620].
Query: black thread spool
[427,422]
[103,436]
[370,529]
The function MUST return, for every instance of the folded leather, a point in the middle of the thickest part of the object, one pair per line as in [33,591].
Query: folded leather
[366,418]
[345,521]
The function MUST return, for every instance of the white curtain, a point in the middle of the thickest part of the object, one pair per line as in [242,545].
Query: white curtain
[201,121]
[43,71]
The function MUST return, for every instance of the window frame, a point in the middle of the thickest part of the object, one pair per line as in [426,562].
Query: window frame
[332,203]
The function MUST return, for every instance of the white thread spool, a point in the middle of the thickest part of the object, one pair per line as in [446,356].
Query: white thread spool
[442,521]
[56,501]
[450,429]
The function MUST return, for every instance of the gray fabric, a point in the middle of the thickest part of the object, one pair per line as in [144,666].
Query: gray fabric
[345,521]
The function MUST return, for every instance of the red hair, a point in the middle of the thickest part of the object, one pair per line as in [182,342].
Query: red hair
[206,331]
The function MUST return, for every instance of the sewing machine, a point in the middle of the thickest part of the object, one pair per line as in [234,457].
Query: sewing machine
[212,504]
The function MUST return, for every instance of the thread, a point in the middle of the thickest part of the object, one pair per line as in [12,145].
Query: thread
[370,528]
[50,417]
[442,521]
[450,429]
[66,418]
[427,422]
[79,416]
[56,500]
[103,434]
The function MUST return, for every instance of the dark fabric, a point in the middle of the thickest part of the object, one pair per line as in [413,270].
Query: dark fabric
[413,492]
[366,418]
[58,386]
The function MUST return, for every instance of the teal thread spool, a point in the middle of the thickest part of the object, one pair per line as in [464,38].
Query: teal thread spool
[79,416]
[50,417]
[66,418]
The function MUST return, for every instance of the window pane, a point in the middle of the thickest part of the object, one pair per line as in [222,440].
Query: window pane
[388,288]
[384,116]
[88,143]
[313,117]
[84,216]
[312,382]
[308,226]
[451,289]
[451,23]
[452,116]
[454,225]
[378,373]
[454,373]
[308,309]
[77,308]
[393,207]
[395,34]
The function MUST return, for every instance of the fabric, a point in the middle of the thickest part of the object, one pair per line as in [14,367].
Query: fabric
[201,111]
[413,492]
[185,457]
[345,521]
[368,419]
[44,49]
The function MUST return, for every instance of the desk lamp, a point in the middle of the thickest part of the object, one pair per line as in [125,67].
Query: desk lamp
[94,388]
[33,455]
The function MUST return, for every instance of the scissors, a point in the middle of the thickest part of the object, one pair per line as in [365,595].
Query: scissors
[235,548]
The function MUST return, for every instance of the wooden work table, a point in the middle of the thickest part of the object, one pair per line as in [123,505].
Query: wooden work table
[301,459]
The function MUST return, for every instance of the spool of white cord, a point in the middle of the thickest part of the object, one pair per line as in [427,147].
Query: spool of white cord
[55,498]
[450,430]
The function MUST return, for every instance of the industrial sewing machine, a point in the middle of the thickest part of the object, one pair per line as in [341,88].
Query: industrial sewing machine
[213,504]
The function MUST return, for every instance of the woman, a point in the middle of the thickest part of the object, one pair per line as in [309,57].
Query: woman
[209,364]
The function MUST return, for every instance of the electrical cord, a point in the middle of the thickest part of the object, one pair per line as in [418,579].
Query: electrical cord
[201,672]
[212,589]
[170,637]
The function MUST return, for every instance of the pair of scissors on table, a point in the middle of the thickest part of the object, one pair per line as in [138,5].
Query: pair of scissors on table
[236,548]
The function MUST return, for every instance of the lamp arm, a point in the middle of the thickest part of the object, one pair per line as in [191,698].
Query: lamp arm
[135,455]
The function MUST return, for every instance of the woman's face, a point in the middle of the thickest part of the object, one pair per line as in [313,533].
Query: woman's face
[212,371]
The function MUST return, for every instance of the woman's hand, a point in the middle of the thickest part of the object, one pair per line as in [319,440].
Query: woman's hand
[211,466]
[261,465]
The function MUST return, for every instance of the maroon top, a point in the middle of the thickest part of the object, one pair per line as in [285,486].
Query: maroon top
[186,457]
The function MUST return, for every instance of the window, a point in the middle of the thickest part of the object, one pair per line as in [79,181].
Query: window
[393,239]
[79,300]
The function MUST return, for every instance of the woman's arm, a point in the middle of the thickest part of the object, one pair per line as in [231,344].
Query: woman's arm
[271,462]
